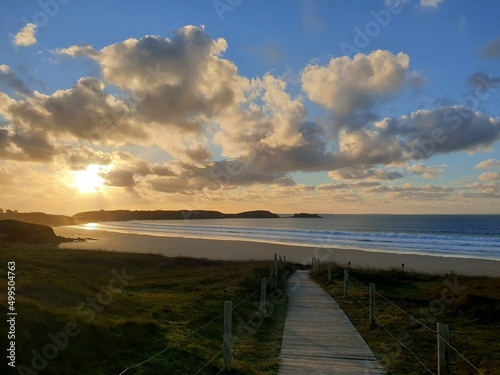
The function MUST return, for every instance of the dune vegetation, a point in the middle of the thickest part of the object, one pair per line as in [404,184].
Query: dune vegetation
[410,304]
[106,312]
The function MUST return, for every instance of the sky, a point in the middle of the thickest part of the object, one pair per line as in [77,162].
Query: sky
[324,106]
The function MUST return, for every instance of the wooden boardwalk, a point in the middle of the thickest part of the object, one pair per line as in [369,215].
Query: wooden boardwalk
[318,337]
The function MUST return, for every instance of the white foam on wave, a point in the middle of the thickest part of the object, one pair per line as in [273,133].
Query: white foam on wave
[461,246]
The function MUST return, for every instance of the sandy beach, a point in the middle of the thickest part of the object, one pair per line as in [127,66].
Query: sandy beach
[242,250]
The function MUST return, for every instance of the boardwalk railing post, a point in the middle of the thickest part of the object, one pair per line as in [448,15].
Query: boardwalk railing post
[263,287]
[228,312]
[372,306]
[443,349]
[329,274]
[346,280]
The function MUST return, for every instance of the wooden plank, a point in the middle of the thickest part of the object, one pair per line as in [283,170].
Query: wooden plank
[319,338]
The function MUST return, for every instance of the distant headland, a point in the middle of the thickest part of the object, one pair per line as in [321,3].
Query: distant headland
[126,215]
[303,215]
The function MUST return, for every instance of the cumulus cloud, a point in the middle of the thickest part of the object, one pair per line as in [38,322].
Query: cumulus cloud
[490,163]
[427,171]
[347,85]
[423,133]
[180,83]
[492,49]
[83,112]
[79,158]
[489,176]
[26,36]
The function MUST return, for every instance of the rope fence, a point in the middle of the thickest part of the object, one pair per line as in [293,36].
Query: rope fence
[444,339]
[270,284]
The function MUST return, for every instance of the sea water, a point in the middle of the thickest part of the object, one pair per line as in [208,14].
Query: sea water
[470,236]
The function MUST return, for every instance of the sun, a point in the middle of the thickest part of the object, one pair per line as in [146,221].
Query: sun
[89,180]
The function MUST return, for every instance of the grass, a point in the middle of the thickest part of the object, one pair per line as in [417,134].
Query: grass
[469,305]
[160,301]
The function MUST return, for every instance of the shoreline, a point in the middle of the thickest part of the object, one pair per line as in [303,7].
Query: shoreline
[246,250]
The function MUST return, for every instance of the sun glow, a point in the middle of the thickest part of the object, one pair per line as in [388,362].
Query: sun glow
[89,180]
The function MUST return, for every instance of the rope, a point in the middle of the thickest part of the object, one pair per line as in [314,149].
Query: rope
[171,346]
[211,360]
[246,299]
[465,359]
[407,314]
[404,346]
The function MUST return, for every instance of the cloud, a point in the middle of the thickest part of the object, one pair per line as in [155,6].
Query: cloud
[430,3]
[423,133]
[341,186]
[492,49]
[180,83]
[360,174]
[83,112]
[484,81]
[427,171]
[10,79]
[119,178]
[489,176]
[26,36]
[486,190]
[490,163]
[411,192]
[348,86]
[79,158]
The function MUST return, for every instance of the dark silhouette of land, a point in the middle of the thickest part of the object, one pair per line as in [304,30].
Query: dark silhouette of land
[18,231]
[125,215]
[303,215]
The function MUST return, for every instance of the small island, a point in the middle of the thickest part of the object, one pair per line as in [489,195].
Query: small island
[303,215]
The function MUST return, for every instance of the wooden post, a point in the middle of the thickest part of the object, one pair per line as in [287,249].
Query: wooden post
[263,287]
[346,280]
[280,259]
[275,257]
[329,274]
[443,349]
[284,258]
[372,306]
[228,315]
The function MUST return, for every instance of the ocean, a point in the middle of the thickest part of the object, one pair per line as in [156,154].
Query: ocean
[469,236]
